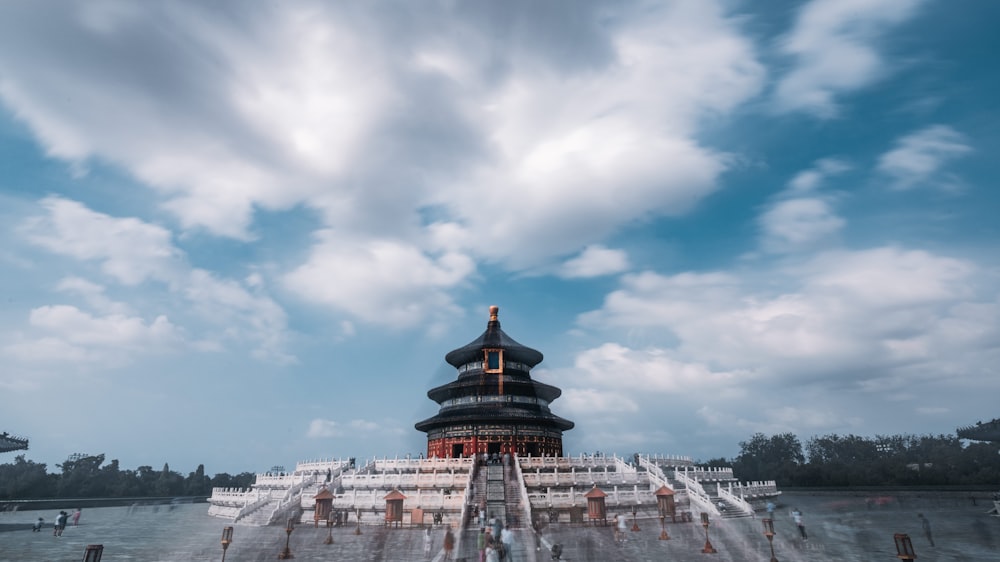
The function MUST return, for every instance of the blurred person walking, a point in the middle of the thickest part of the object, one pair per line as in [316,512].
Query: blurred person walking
[797,517]
[927,528]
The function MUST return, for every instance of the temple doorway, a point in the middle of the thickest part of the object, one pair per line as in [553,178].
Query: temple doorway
[493,448]
[457,449]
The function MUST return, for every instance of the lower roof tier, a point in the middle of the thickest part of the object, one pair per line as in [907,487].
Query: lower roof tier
[492,416]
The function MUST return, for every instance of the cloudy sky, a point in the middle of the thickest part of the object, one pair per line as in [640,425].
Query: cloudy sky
[247,234]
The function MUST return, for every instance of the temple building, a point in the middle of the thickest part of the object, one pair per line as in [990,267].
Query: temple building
[494,406]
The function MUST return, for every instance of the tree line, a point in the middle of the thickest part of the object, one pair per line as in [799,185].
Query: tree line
[89,477]
[851,460]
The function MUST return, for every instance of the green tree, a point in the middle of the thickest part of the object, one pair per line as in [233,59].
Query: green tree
[24,479]
[80,477]
[777,457]
[168,483]
[226,480]
[197,484]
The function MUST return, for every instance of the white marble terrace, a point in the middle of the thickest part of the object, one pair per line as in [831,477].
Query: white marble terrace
[444,486]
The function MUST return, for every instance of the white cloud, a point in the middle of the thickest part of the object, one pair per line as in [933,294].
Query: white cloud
[381,281]
[134,252]
[574,157]
[322,428]
[815,345]
[128,249]
[933,410]
[210,129]
[798,223]
[363,425]
[650,370]
[809,180]
[80,327]
[801,217]
[594,261]
[521,155]
[611,380]
[889,277]
[244,314]
[834,45]
[70,335]
[596,401]
[93,294]
[527,156]
[49,349]
[771,419]
[919,157]
[846,315]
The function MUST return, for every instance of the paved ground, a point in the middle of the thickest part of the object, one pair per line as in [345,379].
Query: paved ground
[841,527]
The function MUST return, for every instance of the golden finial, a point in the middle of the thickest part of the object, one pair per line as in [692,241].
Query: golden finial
[494,311]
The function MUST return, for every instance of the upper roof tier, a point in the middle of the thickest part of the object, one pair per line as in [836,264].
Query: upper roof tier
[494,338]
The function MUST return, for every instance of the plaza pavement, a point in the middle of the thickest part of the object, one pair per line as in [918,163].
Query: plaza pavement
[841,527]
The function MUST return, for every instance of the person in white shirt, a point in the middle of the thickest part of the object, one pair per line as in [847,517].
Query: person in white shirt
[507,538]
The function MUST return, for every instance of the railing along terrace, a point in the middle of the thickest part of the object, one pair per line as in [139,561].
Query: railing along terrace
[697,494]
[375,499]
[669,460]
[219,493]
[464,514]
[622,466]
[291,499]
[728,496]
[266,480]
[404,481]
[655,474]
[581,461]
[424,465]
[756,489]
[582,478]
[250,507]
[522,487]
[615,497]
[709,473]
[322,465]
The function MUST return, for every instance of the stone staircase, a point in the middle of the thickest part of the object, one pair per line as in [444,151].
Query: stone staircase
[496,496]
[498,487]
[512,493]
[728,510]
[261,516]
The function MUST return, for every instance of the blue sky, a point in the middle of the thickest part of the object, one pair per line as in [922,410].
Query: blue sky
[245,235]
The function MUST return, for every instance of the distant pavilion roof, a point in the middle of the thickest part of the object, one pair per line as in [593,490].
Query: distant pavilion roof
[494,338]
[989,431]
[394,495]
[10,442]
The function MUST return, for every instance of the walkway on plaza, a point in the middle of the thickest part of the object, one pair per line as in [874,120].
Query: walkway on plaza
[841,527]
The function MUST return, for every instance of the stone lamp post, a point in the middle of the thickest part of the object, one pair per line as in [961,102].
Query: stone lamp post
[227,539]
[289,527]
[93,553]
[769,533]
[329,527]
[709,549]
[904,547]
